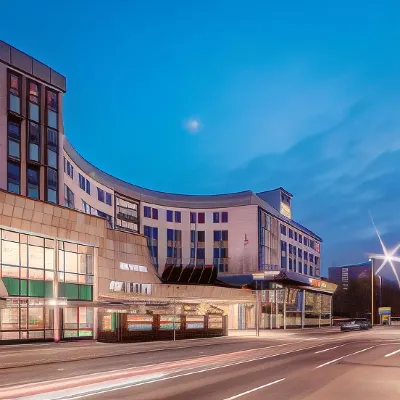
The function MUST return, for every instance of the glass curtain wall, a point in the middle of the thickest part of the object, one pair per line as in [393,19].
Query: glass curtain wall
[27,270]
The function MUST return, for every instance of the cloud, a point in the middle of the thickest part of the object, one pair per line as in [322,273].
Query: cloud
[337,175]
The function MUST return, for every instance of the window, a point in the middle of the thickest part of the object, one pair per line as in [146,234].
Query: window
[300,270]
[34,98]
[33,183]
[108,198]
[87,208]
[311,270]
[170,234]
[311,258]
[147,212]
[100,195]
[170,216]
[216,217]
[201,253]
[106,216]
[178,216]
[300,253]
[217,236]
[14,139]
[201,236]
[290,234]
[192,217]
[51,158]
[317,247]
[312,244]
[201,218]
[126,213]
[52,148]
[224,235]
[154,213]
[68,197]
[13,177]
[306,241]
[14,93]
[316,260]
[295,235]
[300,238]
[283,229]
[192,236]
[224,216]
[34,142]
[290,264]
[69,169]
[305,254]
[290,248]
[52,185]
[306,269]
[52,109]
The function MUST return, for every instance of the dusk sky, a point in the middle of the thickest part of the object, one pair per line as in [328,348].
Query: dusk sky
[213,96]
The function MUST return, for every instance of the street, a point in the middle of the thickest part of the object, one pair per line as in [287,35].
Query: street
[311,364]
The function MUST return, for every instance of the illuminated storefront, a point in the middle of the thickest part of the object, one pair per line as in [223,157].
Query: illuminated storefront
[44,281]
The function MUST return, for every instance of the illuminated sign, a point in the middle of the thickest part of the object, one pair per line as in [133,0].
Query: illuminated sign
[385,310]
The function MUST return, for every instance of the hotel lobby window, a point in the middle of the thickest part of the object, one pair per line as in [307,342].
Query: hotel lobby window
[75,274]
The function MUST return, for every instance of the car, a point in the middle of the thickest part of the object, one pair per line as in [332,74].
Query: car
[364,323]
[350,326]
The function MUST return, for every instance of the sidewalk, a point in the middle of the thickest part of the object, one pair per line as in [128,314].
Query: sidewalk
[12,356]
[281,333]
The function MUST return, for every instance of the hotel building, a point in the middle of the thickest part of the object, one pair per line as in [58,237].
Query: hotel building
[131,238]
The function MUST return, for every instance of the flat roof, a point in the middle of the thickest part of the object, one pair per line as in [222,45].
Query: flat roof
[30,66]
[127,189]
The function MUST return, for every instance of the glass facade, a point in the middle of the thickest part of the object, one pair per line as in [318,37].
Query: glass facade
[28,270]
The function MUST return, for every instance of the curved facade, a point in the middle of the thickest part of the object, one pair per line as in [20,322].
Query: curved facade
[232,233]
[193,238]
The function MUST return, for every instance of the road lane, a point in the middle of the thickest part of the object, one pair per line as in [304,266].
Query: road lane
[216,372]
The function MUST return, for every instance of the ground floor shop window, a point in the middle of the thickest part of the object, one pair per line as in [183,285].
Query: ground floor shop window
[77,322]
[22,320]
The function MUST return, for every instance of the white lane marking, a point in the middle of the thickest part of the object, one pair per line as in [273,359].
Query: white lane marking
[255,389]
[347,355]
[112,387]
[392,354]
[169,364]
[331,348]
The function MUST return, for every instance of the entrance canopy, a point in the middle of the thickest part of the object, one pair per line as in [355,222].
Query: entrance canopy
[263,280]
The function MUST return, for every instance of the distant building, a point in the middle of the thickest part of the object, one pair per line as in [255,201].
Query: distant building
[343,274]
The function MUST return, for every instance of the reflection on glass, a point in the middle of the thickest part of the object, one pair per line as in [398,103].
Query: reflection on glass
[36,257]
[10,252]
[36,318]
[49,259]
[10,272]
[15,104]
[71,262]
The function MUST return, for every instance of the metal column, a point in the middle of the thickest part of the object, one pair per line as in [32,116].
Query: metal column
[303,309]
[284,309]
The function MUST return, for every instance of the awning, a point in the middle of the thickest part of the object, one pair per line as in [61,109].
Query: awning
[3,290]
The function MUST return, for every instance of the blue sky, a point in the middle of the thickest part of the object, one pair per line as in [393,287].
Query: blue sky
[303,95]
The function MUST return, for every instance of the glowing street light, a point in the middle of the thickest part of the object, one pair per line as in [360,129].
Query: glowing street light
[388,257]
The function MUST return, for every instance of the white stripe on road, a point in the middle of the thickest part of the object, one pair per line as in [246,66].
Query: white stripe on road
[340,358]
[392,354]
[331,348]
[255,389]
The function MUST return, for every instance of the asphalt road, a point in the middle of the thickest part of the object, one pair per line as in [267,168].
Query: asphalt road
[312,365]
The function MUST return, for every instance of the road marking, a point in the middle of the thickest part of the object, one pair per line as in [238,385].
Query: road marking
[392,354]
[331,348]
[83,390]
[255,389]
[347,355]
